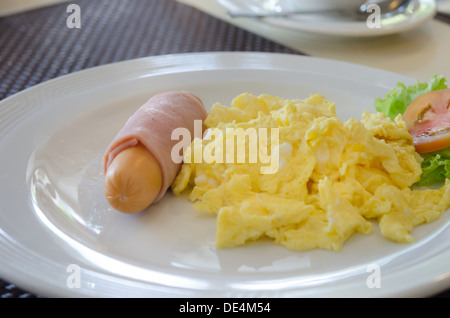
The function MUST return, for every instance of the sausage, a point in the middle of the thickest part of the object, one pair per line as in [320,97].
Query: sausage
[137,165]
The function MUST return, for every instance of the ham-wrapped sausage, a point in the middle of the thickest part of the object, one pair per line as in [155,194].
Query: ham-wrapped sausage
[137,166]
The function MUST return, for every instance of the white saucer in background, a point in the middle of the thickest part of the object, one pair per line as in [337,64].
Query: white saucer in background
[419,12]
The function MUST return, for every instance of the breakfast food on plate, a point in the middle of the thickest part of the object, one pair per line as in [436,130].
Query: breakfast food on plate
[138,168]
[290,170]
[425,108]
[331,178]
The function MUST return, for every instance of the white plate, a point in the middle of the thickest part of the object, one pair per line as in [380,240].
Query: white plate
[418,12]
[56,224]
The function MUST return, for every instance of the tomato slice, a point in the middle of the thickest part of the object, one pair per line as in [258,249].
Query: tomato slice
[428,121]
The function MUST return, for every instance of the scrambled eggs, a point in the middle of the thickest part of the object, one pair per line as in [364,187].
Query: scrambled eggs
[333,177]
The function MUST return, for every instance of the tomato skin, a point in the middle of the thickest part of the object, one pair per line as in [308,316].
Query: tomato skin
[429,144]
[428,121]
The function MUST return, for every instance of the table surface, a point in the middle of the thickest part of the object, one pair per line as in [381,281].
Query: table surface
[36,45]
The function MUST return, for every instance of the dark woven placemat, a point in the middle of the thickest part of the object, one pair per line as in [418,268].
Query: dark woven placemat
[37,45]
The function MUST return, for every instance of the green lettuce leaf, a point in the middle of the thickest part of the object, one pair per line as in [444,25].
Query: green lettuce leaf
[436,165]
[435,168]
[396,101]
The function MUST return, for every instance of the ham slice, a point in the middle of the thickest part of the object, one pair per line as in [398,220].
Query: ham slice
[152,125]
